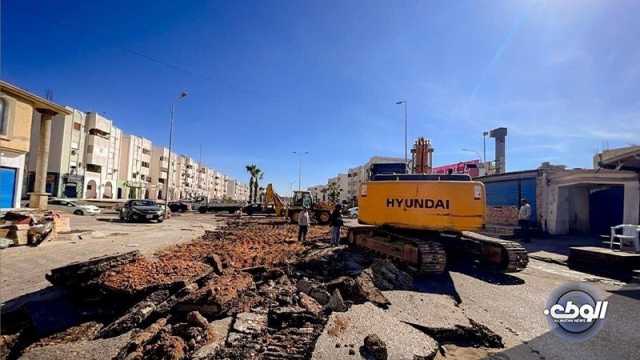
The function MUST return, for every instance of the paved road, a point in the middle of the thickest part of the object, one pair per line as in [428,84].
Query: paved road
[23,268]
[512,306]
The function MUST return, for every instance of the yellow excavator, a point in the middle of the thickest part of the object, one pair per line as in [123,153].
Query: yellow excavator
[422,219]
[320,212]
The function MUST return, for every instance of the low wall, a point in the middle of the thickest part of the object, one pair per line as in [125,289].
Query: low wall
[502,215]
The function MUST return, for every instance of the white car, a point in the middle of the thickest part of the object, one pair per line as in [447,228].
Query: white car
[73,207]
[353,212]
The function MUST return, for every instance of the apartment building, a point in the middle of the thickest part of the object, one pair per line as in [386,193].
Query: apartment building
[159,172]
[341,182]
[187,170]
[65,167]
[201,181]
[102,151]
[135,169]
[219,185]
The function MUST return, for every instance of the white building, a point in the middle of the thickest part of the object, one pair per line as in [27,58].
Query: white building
[159,172]
[135,169]
[102,150]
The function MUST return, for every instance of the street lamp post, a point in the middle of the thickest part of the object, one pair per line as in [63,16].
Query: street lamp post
[166,185]
[484,146]
[404,102]
[300,153]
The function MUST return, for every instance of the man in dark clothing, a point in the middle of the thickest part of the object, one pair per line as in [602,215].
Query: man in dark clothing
[524,219]
[336,222]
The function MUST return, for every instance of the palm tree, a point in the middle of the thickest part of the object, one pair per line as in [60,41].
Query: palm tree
[256,186]
[256,174]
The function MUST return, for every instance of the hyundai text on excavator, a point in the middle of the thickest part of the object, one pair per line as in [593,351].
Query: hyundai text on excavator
[320,212]
[421,219]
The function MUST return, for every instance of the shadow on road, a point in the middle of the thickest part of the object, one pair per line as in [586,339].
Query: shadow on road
[488,276]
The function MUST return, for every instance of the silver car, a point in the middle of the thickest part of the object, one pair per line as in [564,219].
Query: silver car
[72,207]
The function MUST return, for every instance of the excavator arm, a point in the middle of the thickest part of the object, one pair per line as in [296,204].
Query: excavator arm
[271,197]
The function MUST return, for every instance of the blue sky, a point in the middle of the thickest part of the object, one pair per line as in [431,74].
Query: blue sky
[266,78]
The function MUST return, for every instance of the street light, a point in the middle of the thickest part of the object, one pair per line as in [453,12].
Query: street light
[300,154]
[405,129]
[166,185]
[484,146]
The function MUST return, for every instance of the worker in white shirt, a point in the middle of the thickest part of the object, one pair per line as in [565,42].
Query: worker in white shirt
[524,219]
[303,224]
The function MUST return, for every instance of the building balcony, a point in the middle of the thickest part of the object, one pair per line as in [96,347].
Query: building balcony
[98,124]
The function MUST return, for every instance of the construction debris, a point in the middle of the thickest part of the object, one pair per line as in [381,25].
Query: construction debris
[402,341]
[249,292]
[83,274]
[143,276]
[29,227]
[374,348]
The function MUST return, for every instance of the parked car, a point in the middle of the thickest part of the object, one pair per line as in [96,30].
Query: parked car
[141,210]
[353,212]
[72,207]
[179,206]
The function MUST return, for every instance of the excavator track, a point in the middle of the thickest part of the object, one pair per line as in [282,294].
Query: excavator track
[433,258]
[429,257]
[500,255]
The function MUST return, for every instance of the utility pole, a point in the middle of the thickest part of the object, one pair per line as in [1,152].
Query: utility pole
[404,102]
[166,185]
[484,146]
[300,154]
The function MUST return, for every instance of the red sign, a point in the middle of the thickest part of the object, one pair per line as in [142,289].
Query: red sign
[470,167]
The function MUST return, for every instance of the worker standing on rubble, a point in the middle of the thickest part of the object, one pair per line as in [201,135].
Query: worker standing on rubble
[303,224]
[524,219]
[336,222]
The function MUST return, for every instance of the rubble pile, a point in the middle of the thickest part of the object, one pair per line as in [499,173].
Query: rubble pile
[250,246]
[143,274]
[30,227]
[249,292]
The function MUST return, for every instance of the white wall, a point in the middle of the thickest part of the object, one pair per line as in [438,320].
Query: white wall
[17,161]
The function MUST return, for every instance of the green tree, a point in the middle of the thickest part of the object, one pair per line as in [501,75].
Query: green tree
[333,191]
[255,175]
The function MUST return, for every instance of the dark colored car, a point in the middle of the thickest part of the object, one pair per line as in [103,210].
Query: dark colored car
[179,206]
[141,210]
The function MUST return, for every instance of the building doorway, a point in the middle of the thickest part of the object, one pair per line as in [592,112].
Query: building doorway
[108,191]
[92,190]
[606,208]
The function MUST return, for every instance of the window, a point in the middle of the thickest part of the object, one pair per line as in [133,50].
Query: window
[94,168]
[77,126]
[89,149]
[4,121]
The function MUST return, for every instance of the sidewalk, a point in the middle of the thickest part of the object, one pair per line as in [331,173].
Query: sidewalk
[22,269]
[555,249]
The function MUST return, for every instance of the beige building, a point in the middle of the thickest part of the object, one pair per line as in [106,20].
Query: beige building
[65,170]
[17,110]
[159,172]
[135,167]
[102,151]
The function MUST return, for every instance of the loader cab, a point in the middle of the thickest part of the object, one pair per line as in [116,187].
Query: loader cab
[302,199]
